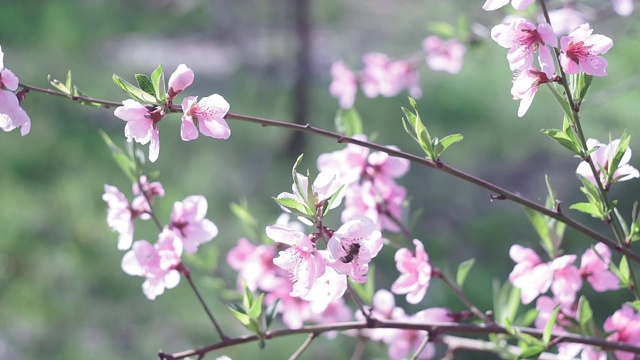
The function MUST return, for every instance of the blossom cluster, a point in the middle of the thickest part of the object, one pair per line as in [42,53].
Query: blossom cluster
[205,116]
[159,263]
[382,76]
[12,115]
[579,51]
[534,278]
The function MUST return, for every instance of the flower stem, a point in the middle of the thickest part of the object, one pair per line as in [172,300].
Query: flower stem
[187,275]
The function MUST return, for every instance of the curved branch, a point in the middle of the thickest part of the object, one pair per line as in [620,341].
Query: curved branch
[440,328]
[502,193]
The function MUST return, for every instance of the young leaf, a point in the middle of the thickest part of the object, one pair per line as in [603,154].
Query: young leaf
[294,206]
[133,91]
[255,311]
[58,85]
[531,351]
[271,313]
[145,84]
[348,122]
[336,195]
[623,145]
[585,314]
[157,80]
[125,162]
[561,138]
[546,335]
[624,272]
[444,143]
[588,208]
[463,271]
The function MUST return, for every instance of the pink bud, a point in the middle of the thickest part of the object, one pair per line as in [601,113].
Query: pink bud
[179,80]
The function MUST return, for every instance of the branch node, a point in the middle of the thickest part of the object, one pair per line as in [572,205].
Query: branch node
[497,197]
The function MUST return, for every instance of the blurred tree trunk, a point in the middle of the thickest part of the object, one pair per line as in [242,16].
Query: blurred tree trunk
[302,17]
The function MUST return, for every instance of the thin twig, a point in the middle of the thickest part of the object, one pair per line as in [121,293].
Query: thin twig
[438,274]
[187,275]
[440,328]
[420,348]
[304,346]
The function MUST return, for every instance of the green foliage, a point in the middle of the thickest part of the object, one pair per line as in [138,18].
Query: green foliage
[348,122]
[463,271]
[250,314]
[413,125]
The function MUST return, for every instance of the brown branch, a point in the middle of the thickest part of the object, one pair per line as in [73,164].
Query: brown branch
[440,328]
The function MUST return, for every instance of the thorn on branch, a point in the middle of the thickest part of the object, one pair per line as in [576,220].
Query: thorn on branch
[556,206]
[497,197]
[439,164]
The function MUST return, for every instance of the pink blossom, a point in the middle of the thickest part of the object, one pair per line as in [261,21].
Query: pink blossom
[622,7]
[405,342]
[295,311]
[348,163]
[382,165]
[523,38]
[344,84]
[566,279]
[565,20]
[121,215]
[328,288]
[188,221]
[490,5]
[546,306]
[594,267]
[444,55]
[179,80]
[529,275]
[352,247]
[380,201]
[415,273]
[602,158]
[157,263]
[254,265]
[8,80]
[324,186]
[387,78]
[581,49]
[384,308]
[207,115]
[142,124]
[625,325]
[303,262]
[11,114]
[525,86]
[151,191]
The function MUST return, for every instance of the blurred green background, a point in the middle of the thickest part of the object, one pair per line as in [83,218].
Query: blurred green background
[62,292]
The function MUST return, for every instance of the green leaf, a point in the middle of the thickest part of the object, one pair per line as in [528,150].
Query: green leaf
[546,335]
[463,271]
[294,174]
[635,304]
[588,208]
[442,29]
[157,80]
[58,85]
[295,207]
[563,139]
[133,91]
[332,199]
[444,143]
[541,225]
[271,313]
[624,271]
[531,351]
[242,213]
[416,129]
[145,84]
[243,318]
[121,158]
[585,314]
[247,298]
[255,311]
[348,122]
[581,83]
[528,318]
[622,148]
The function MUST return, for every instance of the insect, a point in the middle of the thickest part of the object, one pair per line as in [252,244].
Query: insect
[351,252]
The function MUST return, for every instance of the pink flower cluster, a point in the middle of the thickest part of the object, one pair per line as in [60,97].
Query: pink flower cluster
[403,343]
[580,52]
[602,159]
[12,116]
[382,76]
[534,278]
[205,116]
[159,262]
[309,288]
[369,184]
